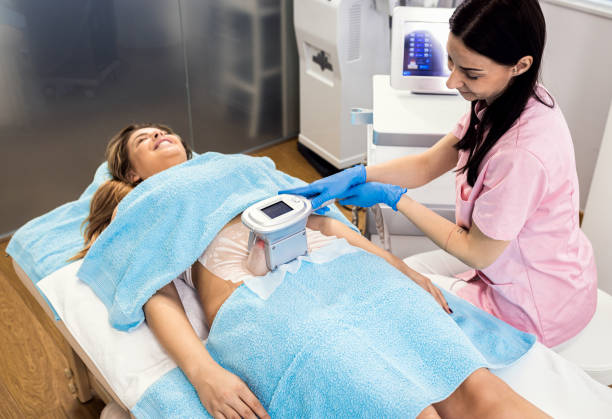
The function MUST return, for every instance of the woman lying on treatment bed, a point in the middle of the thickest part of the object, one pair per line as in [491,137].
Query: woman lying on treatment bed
[141,151]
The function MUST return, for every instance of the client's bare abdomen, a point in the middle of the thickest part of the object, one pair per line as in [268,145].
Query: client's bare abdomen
[213,291]
[224,264]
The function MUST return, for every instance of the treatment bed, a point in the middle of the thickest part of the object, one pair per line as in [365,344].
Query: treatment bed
[132,369]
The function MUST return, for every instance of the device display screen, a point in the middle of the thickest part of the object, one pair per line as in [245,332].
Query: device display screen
[425,49]
[276,209]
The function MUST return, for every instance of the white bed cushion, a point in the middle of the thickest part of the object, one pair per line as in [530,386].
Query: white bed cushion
[132,361]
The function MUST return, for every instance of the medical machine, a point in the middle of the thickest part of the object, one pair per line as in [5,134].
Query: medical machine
[280,222]
[404,123]
[341,45]
[418,50]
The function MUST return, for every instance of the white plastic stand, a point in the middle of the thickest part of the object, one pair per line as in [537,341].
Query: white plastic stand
[341,44]
[404,123]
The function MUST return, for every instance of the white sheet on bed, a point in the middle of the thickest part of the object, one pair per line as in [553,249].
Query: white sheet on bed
[132,361]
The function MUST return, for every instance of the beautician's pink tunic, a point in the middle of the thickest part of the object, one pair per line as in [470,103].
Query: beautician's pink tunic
[545,282]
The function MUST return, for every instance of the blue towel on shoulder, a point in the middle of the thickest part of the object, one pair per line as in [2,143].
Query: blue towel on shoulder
[44,244]
[353,337]
[165,224]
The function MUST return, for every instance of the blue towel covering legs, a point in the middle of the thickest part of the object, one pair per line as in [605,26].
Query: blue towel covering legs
[350,338]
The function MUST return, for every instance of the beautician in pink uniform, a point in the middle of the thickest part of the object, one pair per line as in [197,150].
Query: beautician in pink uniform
[516,182]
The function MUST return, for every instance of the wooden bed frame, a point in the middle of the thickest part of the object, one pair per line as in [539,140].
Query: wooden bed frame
[87,377]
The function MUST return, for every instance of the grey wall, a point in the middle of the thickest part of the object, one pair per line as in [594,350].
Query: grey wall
[74,72]
[576,69]
[597,223]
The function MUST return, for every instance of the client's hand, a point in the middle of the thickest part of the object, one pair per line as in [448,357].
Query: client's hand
[428,286]
[420,279]
[225,395]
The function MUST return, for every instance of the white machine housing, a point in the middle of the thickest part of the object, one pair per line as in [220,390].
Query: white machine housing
[404,123]
[280,221]
[430,76]
[341,45]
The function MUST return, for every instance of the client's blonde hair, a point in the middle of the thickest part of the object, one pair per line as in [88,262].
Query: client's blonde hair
[103,204]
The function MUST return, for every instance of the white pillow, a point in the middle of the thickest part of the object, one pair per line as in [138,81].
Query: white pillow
[130,362]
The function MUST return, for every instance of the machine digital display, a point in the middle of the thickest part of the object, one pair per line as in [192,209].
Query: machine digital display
[425,49]
[276,209]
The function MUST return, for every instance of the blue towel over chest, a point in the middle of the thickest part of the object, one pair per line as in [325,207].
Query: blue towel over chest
[167,221]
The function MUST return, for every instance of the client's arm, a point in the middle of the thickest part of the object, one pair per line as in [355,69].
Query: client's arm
[221,392]
[332,227]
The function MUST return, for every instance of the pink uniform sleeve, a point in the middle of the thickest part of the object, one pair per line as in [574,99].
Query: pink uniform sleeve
[462,126]
[515,182]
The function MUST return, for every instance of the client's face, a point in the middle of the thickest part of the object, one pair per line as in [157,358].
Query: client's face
[152,150]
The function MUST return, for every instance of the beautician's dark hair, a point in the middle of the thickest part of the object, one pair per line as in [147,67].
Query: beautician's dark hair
[504,31]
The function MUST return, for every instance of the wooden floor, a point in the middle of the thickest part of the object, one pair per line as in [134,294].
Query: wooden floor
[33,361]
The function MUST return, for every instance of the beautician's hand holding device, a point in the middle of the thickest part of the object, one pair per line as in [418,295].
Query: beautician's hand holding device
[517,185]
[470,246]
[323,190]
[351,187]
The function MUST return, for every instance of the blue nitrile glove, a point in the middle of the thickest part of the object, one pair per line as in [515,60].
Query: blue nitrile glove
[322,210]
[371,193]
[330,187]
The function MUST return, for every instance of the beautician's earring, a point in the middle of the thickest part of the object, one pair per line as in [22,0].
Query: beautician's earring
[514,70]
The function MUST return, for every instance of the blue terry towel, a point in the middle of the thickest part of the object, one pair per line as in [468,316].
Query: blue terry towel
[167,221]
[349,338]
[44,244]
[355,338]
